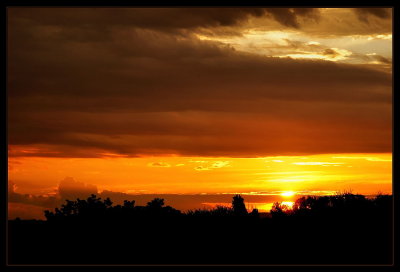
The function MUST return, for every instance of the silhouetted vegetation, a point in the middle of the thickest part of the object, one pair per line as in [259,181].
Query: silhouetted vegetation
[94,210]
[344,228]
[341,205]
[238,205]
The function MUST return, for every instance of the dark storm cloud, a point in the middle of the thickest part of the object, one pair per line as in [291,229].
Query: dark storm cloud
[165,19]
[78,88]
[364,14]
[289,16]
[184,68]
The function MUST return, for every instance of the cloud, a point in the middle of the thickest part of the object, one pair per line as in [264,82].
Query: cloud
[32,206]
[97,23]
[280,44]
[339,22]
[201,168]
[380,59]
[94,21]
[220,164]
[374,159]
[330,52]
[289,16]
[364,14]
[28,206]
[70,189]
[380,37]
[99,83]
[212,165]
[29,199]
[319,163]
[159,164]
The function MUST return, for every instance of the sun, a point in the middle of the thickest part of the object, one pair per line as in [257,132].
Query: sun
[288,193]
[288,204]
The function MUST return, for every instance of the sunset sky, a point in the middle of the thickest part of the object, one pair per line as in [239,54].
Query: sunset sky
[203,101]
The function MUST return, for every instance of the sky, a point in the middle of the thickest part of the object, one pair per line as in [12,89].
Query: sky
[205,101]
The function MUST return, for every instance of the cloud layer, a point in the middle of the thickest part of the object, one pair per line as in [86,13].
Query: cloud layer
[134,82]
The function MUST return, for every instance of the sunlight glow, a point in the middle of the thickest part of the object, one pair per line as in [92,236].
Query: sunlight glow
[300,174]
[318,163]
[288,193]
[339,54]
[289,204]
[380,36]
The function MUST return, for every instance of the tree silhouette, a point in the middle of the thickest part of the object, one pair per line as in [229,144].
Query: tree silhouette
[83,231]
[92,208]
[238,205]
[156,203]
[279,210]
[129,204]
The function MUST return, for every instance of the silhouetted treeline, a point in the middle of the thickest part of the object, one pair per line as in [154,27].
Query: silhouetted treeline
[341,205]
[340,229]
[94,210]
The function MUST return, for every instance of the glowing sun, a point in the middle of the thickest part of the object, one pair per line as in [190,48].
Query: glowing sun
[288,193]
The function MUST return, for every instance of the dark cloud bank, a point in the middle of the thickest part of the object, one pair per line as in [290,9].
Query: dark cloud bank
[82,82]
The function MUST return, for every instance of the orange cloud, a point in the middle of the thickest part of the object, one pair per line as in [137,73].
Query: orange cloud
[159,164]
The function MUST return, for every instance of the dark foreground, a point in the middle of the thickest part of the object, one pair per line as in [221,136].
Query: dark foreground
[352,230]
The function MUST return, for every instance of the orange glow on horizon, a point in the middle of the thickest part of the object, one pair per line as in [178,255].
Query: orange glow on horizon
[288,175]
[261,181]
